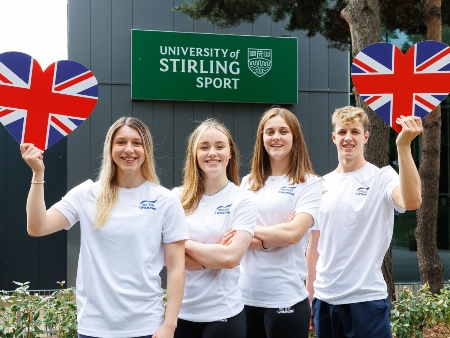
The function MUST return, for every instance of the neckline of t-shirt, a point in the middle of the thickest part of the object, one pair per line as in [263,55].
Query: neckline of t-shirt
[366,165]
[219,193]
[134,189]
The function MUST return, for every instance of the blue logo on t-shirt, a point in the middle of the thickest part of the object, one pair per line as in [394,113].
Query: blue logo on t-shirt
[223,209]
[147,205]
[362,191]
[287,190]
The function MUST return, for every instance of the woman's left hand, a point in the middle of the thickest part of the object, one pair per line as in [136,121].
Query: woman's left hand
[227,237]
[291,216]
[164,332]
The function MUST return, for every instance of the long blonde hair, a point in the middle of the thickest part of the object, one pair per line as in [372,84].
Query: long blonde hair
[300,164]
[109,190]
[193,185]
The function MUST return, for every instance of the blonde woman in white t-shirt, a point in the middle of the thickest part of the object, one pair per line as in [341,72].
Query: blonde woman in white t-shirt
[130,226]
[287,194]
[214,205]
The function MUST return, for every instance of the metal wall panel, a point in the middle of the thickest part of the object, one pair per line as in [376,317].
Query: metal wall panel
[301,110]
[121,23]
[143,14]
[108,46]
[79,32]
[163,139]
[318,63]
[243,135]
[3,200]
[101,35]
[319,131]
[303,60]
[52,253]
[338,78]
[22,250]
[183,118]
[163,15]
[263,26]
[100,122]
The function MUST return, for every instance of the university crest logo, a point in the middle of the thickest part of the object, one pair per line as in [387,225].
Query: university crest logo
[259,61]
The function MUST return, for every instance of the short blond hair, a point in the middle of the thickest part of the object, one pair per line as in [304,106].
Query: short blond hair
[349,114]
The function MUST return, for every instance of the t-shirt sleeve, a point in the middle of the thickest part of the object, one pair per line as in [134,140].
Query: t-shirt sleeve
[174,227]
[71,204]
[389,181]
[245,213]
[244,183]
[309,197]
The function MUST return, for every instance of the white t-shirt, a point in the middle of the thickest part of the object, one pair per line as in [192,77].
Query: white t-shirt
[356,221]
[118,284]
[274,278]
[213,294]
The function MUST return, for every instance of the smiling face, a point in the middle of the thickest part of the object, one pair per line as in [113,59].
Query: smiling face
[213,153]
[350,139]
[277,139]
[127,151]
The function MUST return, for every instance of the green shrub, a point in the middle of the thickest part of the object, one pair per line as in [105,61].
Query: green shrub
[411,314]
[23,314]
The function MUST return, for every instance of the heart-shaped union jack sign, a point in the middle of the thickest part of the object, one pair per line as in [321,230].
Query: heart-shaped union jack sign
[393,84]
[43,107]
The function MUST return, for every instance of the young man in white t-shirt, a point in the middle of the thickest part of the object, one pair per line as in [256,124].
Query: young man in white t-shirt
[354,229]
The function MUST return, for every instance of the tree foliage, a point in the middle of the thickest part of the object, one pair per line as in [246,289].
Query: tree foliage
[312,16]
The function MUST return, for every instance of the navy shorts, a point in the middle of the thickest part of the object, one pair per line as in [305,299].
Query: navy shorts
[357,320]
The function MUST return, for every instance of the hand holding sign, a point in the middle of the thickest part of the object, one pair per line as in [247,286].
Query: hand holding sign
[43,107]
[393,84]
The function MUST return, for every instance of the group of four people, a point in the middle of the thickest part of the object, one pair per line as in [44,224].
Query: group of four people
[234,252]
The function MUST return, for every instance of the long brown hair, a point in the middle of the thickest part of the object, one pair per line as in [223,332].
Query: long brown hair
[109,190]
[300,164]
[193,185]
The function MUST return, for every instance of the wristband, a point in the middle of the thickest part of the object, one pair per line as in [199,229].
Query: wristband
[262,244]
[204,267]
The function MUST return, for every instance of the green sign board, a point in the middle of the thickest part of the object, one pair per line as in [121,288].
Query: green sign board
[213,67]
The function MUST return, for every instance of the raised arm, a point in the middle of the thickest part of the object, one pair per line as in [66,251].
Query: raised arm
[408,194]
[174,259]
[219,256]
[40,222]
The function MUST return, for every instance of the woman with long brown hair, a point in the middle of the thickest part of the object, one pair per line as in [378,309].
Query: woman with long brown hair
[213,203]
[130,226]
[287,194]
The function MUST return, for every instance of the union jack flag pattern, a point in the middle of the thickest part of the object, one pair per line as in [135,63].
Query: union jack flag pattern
[393,84]
[43,107]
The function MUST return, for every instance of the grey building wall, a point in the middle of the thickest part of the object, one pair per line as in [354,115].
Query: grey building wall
[100,38]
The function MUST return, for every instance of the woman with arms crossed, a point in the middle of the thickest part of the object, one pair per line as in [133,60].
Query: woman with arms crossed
[129,226]
[287,194]
[212,305]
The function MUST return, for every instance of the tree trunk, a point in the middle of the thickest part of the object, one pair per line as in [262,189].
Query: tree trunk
[430,265]
[363,18]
